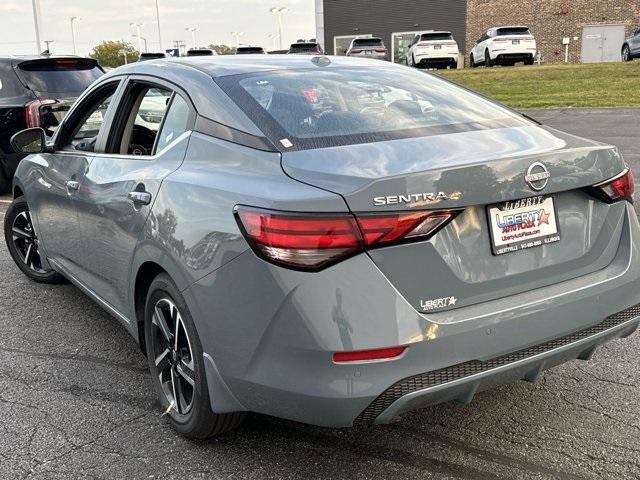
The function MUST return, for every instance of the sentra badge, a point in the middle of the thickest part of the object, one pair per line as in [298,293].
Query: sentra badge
[415,199]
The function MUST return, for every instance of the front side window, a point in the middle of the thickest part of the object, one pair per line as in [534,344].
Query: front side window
[359,104]
[84,132]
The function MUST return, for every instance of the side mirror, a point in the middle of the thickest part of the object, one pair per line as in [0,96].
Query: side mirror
[31,140]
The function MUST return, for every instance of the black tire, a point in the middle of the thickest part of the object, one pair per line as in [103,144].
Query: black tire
[487,59]
[626,54]
[529,60]
[472,62]
[22,243]
[191,415]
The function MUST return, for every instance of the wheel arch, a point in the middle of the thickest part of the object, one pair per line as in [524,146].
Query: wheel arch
[144,276]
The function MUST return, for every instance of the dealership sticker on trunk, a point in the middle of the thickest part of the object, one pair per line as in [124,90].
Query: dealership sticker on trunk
[522,224]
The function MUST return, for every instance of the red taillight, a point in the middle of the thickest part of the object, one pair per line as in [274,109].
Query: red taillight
[314,241]
[620,187]
[381,50]
[364,355]
[306,242]
[32,112]
[384,229]
[356,50]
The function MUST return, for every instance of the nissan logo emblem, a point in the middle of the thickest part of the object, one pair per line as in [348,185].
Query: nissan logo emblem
[537,176]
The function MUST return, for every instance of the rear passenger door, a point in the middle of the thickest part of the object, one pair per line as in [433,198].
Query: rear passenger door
[147,141]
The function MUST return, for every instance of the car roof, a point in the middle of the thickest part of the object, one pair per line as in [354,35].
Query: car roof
[223,65]
[509,26]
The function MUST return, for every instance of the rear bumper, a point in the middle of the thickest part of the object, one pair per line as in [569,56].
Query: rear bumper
[513,56]
[461,382]
[271,333]
[436,59]
[374,55]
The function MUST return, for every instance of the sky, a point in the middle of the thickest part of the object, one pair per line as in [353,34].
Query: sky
[110,20]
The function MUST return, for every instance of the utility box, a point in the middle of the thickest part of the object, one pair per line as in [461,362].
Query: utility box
[602,43]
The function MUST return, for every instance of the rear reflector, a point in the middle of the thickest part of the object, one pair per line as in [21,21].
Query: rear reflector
[620,187]
[363,355]
[313,241]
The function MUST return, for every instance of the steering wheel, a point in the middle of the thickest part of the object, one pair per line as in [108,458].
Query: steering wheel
[142,140]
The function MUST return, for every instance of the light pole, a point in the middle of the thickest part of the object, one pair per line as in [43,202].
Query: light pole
[36,23]
[273,37]
[237,35]
[138,34]
[158,20]
[73,33]
[279,11]
[144,40]
[193,31]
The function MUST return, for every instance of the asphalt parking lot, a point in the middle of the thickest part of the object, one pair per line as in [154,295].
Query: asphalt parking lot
[76,401]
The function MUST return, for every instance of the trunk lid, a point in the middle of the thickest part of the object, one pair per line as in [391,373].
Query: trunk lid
[471,171]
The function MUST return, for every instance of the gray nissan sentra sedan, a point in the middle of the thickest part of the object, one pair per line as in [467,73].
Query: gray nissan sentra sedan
[329,240]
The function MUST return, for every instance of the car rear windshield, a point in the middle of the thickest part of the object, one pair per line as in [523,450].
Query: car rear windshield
[368,42]
[426,37]
[513,31]
[304,47]
[59,76]
[343,105]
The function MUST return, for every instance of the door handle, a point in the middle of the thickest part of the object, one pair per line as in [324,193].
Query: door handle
[72,185]
[140,198]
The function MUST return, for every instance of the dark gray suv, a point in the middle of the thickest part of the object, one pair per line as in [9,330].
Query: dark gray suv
[326,239]
[631,47]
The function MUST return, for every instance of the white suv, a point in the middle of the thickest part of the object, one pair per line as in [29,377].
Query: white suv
[504,46]
[433,48]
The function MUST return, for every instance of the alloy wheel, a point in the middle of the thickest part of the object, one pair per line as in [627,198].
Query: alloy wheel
[25,241]
[173,356]
[625,54]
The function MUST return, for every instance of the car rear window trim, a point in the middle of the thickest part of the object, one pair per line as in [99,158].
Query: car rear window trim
[218,130]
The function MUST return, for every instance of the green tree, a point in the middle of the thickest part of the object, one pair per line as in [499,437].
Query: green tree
[223,49]
[112,54]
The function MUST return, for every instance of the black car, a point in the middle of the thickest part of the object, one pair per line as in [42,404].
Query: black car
[37,91]
[144,56]
[250,51]
[305,48]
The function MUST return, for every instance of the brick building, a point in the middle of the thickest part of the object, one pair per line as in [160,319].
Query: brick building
[594,29]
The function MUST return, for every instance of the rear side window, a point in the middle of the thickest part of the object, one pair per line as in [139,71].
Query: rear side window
[427,37]
[175,123]
[367,42]
[59,76]
[10,86]
[324,107]
[501,32]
